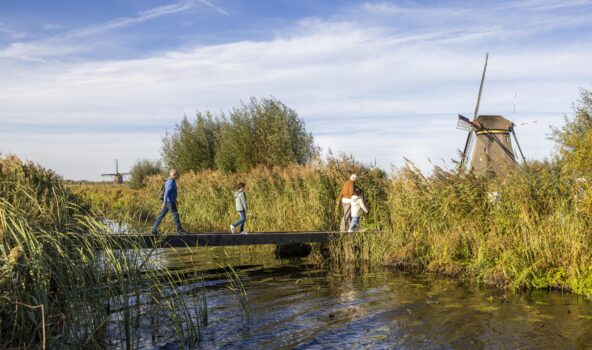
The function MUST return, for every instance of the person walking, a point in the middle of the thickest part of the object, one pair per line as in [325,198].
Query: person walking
[240,205]
[344,198]
[357,206]
[169,203]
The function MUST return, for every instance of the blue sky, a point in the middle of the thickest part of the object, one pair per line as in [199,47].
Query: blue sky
[85,82]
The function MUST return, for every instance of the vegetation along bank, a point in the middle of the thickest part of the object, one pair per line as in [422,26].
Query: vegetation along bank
[534,233]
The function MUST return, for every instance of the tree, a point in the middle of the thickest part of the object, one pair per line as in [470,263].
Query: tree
[574,139]
[141,170]
[263,132]
[193,145]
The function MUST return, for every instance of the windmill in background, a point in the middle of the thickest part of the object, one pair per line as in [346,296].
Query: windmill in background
[117,176]
[493,152]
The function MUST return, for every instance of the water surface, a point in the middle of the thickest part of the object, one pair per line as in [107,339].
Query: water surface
[294,305]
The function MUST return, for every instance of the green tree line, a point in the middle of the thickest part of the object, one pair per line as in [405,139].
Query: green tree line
[263,132]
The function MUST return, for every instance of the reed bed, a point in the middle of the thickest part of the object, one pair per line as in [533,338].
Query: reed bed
[64,282]
[529,229]
[293,198]
[533,234]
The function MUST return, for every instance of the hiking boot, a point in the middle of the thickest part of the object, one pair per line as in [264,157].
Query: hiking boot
[232,229]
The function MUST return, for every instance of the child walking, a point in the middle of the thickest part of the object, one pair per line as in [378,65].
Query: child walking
[357,205]
[240,204]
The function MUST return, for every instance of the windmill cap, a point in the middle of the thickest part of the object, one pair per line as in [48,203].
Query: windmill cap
[493,122]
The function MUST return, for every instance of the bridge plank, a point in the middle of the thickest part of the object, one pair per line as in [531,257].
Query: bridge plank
[228,239]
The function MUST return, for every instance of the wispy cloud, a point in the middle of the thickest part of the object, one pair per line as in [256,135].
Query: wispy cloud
[143,16]
[71,41]
[550,4]
[12,33]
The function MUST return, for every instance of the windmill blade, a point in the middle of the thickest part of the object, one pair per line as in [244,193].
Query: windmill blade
[467,149]
[108,174]
[464,123]
[469,146]
[518,144]
[481,87]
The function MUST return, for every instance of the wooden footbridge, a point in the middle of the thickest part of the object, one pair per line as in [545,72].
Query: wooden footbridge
[212,239]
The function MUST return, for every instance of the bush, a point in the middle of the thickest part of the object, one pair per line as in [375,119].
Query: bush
[141,170]
[193,145]
[574,139]
[264,132]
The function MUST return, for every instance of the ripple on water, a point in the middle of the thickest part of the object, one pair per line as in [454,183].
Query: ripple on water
[291,306]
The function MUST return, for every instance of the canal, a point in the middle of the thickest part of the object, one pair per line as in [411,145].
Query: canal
[290,304]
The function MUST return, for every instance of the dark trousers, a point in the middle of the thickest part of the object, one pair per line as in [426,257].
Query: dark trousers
[241,221]
[346,216]
[172,207]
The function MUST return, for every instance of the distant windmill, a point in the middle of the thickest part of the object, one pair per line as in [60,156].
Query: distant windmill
[117,176]
[493,152]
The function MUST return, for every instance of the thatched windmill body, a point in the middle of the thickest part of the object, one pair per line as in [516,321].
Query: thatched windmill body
[489,142]
[117,176]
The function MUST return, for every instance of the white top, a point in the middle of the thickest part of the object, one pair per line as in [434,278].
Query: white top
[357,203]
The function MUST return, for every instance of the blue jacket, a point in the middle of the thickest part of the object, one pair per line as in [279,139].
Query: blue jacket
[170,191]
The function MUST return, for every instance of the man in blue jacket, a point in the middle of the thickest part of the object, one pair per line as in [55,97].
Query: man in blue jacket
[169,203]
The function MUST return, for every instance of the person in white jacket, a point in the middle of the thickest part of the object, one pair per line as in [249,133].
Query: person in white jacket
[357,206]
[240,204]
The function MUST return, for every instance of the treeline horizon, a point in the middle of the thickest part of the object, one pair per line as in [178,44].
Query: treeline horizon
[263,132]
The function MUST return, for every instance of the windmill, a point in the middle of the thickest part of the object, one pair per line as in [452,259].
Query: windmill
[117,176]
[488,144]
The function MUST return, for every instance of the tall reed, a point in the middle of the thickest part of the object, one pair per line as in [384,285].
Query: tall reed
[66,283]
[529,229]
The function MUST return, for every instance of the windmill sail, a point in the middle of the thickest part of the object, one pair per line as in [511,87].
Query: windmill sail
[470,145]
[464,121]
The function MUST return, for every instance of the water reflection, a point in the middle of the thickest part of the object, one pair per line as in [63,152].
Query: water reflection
[293,305]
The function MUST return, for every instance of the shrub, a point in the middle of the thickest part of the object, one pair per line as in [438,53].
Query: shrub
[141,170]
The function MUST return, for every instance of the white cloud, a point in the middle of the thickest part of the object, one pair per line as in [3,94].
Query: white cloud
[371,90]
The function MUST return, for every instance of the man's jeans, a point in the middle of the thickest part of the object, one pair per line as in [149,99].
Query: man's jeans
[172,207]
[241,221]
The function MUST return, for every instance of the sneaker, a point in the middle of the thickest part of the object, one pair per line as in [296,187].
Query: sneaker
[232,229]
[244,233]
[181,233]
[154,233]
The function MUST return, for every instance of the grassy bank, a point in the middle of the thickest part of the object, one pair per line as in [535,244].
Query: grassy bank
[533,234]
[65,284]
